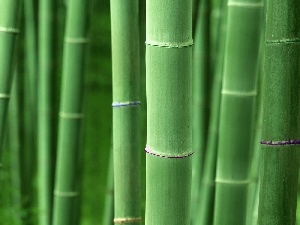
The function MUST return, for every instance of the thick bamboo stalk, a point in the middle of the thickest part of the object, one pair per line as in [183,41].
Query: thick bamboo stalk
[45,91]
[8,31]
[66,191]
[126,110]
[201,72]
[237,111]
[280,156]
[169,115]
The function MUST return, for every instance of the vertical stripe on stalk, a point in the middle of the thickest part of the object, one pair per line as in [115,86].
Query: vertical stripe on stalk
[126,110]
[169,115]
[71,114]
[8,32]
[237,111]
[281,95]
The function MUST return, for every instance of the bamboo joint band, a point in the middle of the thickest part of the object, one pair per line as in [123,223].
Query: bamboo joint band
[169,45]
[76,40]
[127,220]
[285,142]
[9,30]
[66,194]
[283,41]
[181,156]
[5,96]
[246,4]
[71,115]
[238,93]
[236,182]
[120,104]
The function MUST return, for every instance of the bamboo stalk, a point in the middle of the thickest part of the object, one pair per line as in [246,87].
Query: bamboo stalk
[237,111]
[201,72]
[45,132]
[169,115]
[8,31]
[71,113]
[280,159]
[126,110]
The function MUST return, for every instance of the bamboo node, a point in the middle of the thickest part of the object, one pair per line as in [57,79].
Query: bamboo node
[169,44]
[71,115]
[181,156]
[9,30]
[246,4]
[283,41]
[127,220]
[120,104]
[277,143]
[76,40]
[237,182]
[238,93]
[5,96]
[67,194]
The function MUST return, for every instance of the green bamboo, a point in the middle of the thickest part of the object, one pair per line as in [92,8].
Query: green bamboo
[169,111]
[8,31]
[201,72]
[237,111]
[126,110]
[45,133]
[70,117]
[207,187]
[280,159]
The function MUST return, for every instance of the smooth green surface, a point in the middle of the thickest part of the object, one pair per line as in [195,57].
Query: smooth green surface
[66,194]
[169,111]
[280,164]
[8,20]
[45,92]
[237,111]
[126,119]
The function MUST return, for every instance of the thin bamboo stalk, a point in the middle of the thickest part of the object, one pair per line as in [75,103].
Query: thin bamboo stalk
[8,31]
[207,188]
[126,110]
[169,111]
[45,132]
[280,158]
[70,117]
[237,111]
[201,72]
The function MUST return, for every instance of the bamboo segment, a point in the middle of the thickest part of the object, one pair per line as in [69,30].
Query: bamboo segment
[126,110]
[8,32]
[71,115]
[280,159]
[201,70]
[45,91]
[237,111]
[169,117]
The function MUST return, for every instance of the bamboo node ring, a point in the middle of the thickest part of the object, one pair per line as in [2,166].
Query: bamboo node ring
[127,220]
[285,142]
[71,115]
[5,96]
[73,40]
[237,182]
[246,4]
[9,30]
[67,194]
[181,156]
[120,104]
[169,45]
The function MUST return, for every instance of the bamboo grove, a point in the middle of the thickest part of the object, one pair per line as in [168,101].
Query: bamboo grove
[149,112]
